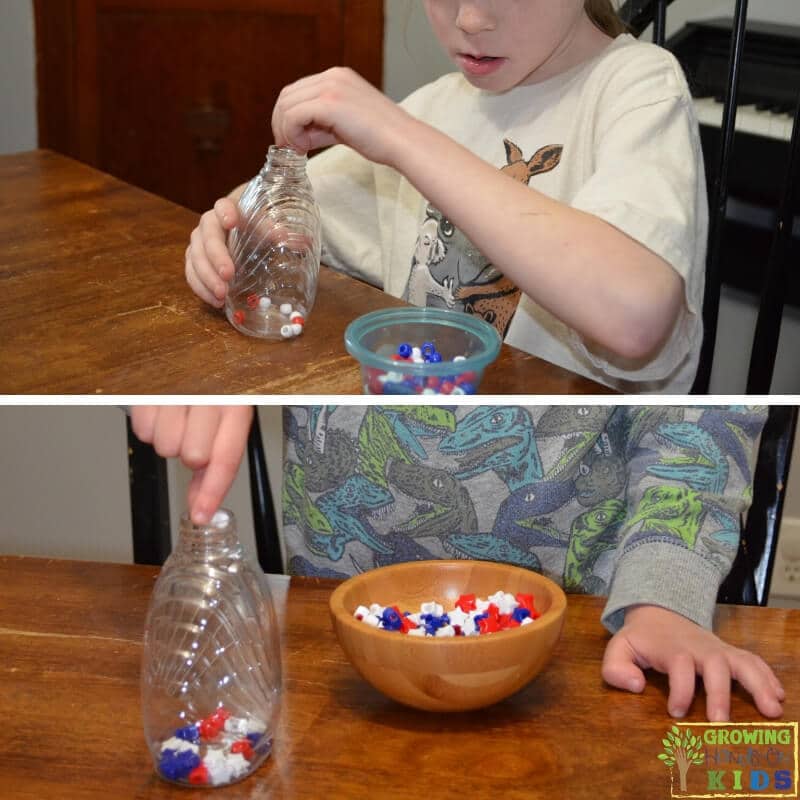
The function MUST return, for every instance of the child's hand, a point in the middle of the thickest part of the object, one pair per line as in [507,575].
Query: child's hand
[209,266]
[208,439]
[339,107]
[655,638]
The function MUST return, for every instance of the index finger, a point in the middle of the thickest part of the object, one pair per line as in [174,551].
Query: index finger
[226,456]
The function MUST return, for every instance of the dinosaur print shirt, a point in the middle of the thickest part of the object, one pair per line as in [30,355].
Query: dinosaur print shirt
[615,137]
[642,504]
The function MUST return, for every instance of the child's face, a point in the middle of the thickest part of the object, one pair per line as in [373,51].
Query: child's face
[500,44]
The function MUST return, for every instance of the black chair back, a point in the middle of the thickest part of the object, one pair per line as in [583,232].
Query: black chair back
[749,579]
[639,14]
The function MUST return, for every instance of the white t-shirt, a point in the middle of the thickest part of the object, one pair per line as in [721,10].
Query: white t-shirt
[616,137]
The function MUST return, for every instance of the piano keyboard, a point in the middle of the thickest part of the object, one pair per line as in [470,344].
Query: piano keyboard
[749,119]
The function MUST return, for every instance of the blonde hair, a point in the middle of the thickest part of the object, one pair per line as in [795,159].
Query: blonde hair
[605,17]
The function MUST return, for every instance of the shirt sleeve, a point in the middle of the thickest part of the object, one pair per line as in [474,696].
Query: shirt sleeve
[689,483]
[649,182]
[344,188]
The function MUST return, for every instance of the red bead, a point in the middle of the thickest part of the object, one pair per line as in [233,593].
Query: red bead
[447,387]
[373,381]
[466,377]
[210,728]
[252,300]
[199,775]
[238,317]
[433,382]
[244,747]
[488,625]
[466,602]
[525,600]
[219,717]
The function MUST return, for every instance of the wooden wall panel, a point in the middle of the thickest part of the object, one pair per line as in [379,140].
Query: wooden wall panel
[175,96]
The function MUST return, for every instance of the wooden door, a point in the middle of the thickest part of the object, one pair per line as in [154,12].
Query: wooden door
[176,96]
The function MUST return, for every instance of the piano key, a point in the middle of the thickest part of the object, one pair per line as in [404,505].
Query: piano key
[748,119]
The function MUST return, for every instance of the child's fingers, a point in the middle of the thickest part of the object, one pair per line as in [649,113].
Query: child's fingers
[227,213]
[226,455]
[212,244]
[169,429]
[717,682]
[682,671]
[201,429]
[758,679]
[197,266]
[143,422]
[620,668]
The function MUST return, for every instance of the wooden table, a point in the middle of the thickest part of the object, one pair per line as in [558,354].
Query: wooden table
[95,302]
[70,647]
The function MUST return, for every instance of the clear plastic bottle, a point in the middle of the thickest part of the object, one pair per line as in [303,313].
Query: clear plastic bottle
[276,250]
[211,668]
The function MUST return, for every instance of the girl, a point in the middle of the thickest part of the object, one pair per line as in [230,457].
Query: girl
[554,185]
[636,511]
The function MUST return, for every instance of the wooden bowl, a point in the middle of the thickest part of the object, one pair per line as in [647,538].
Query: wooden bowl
[446,674]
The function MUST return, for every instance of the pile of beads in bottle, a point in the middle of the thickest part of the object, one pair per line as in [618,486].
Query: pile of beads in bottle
[214,751]
[291,321]
[400,382]
[471,616]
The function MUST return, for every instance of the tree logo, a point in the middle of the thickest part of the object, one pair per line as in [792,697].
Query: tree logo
[681,751]
[732,759]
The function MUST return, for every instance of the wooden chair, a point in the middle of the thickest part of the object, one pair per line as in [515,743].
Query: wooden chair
[150,503]
[639,14]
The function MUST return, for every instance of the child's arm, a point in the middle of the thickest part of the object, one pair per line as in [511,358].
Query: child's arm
[210,440]
[655,638]
[688,482]
[627,302]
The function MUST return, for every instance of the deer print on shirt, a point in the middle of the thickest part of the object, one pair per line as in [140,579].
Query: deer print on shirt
[447,270]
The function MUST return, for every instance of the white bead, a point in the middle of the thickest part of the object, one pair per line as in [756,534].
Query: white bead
[432,608]
[416,632]
[286,309]
[376,608]
[237,764]
[361,612]
[446,630]
[236,725]
[264,302]
[286,331]
[460,358]
[179,745]
[372,620]
[457,617]
[526,621]
[416,354]
[297,328]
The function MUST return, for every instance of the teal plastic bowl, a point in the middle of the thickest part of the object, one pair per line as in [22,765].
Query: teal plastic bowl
[375,337]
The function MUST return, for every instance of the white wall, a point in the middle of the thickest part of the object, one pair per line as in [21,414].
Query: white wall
[64,482]
[17,77]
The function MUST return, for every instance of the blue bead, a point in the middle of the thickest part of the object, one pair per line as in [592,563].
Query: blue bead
[391,619]
[176,765]
[468,388]
[520,613]
[191,733]
[428,348]
[404,350]
[435,358]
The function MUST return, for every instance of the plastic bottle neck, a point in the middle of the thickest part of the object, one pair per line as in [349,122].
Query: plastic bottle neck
[283,163]
[217,539]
